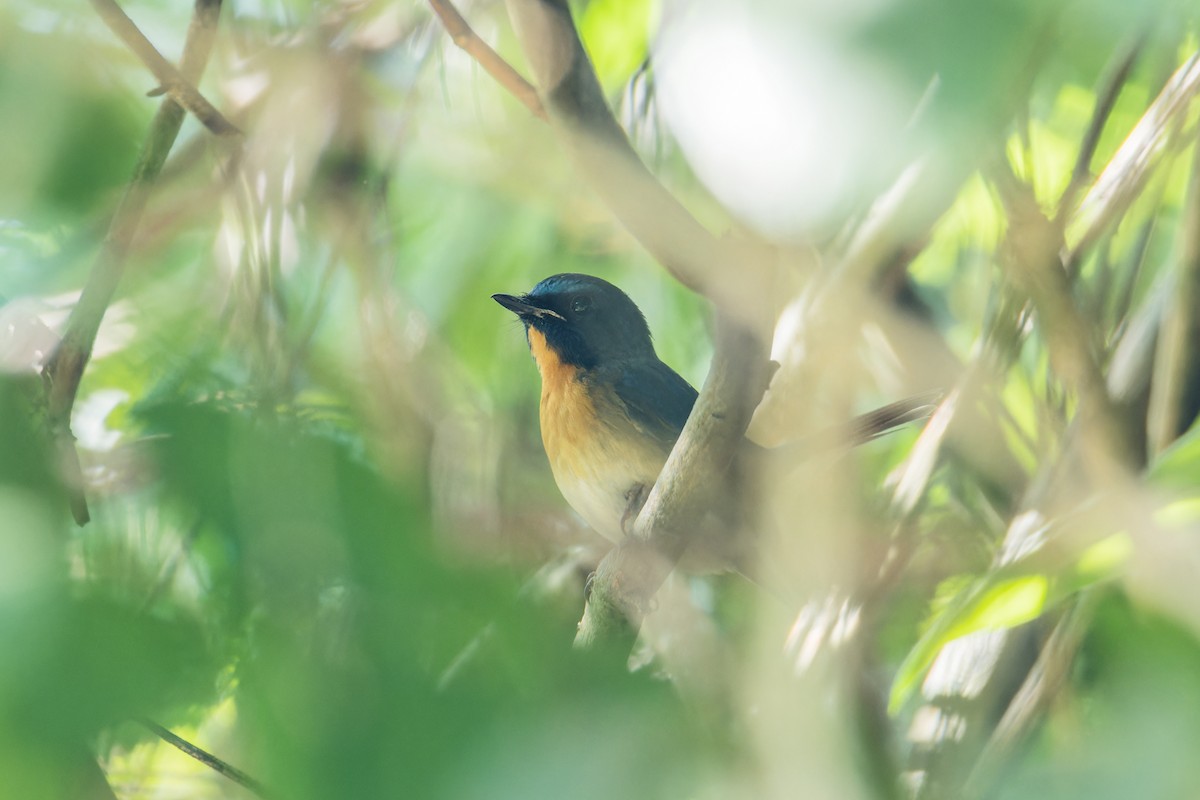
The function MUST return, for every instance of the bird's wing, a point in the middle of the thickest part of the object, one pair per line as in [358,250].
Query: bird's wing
[656,399]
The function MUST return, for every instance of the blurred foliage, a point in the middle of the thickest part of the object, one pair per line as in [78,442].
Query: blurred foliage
[325,544]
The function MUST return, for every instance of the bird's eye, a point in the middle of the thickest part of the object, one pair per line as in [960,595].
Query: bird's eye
[580,305]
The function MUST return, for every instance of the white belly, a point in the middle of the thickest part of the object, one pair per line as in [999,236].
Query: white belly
[600,467]
[602,500]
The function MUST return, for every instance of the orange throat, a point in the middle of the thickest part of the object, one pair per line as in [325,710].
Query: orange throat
[568,415]
[595,453]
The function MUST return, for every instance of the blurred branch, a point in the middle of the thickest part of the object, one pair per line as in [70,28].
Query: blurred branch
[630,574]
[467,40]
[208,759]
[1179,334]
[1032,258]
[737,276]
[1110,88]
[1122,179]
[1041,686]
[171,81]
[64,370]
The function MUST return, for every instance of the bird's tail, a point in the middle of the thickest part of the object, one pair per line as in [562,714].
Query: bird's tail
[861,429]
[886,419]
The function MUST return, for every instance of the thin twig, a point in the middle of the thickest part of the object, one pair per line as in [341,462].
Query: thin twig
[1041,685]
[1175,359]
[64,370]
[1106,99]
[182,90]
[208,759]
[470,43]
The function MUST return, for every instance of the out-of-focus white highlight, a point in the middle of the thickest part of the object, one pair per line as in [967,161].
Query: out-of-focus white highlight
[963,667]
[931,725]
[89,420]
[781,125]
[25,340]
[819,625]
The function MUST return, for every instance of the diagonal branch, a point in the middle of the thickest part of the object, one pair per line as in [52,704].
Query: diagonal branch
[738,276]
[647,210]
[469,42]
[64,370]
[171,81]
[1032,256]
[208,759]
[1179,335]
[1106,99]
[1122,179]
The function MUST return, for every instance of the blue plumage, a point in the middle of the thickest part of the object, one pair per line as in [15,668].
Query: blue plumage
[657,398]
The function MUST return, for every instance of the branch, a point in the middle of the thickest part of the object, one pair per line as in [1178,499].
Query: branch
[1032,258]
[1179,333]
[468,41]
[171,81]
[697,470]
[64,369]
[1106,98]
[1121,181]
[1041,686]
[208,759]
[739,277]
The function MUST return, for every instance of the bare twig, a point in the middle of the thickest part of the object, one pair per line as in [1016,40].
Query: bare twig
[179,86]
[65,368]
[1106,98]
[1179,333]
[466,39]
[208,759]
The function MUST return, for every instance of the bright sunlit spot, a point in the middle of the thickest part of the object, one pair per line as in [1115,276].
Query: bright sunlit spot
[785,129]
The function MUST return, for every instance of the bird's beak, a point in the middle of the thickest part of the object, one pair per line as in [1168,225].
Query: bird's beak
[523,308]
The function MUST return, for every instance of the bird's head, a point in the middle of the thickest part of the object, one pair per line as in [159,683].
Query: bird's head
[583,320]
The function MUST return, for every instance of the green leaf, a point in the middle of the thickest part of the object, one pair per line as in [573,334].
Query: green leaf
[992,603]
[616,34]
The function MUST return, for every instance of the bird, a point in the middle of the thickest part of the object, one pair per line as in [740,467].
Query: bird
[610,409]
